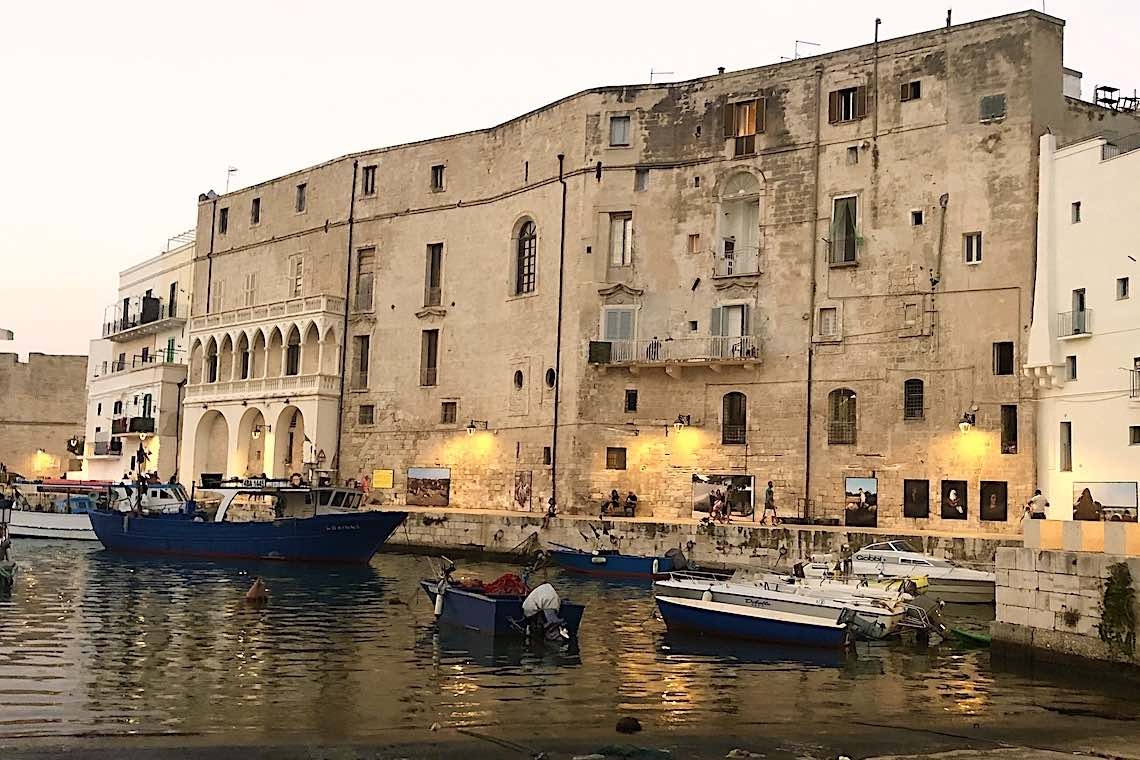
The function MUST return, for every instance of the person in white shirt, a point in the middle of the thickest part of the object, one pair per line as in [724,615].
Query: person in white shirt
[1037,505]
[540,609]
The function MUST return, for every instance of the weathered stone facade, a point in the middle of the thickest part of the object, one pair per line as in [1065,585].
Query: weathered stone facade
[690,241]
[41,408]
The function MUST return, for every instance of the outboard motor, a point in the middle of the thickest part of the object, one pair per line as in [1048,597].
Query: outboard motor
[541,608]
[798,570]
[680,561]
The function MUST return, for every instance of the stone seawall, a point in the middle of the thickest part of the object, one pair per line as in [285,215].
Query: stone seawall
[733,545]
[1054,602]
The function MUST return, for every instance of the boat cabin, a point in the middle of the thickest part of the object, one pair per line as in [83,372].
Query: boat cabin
[262,500]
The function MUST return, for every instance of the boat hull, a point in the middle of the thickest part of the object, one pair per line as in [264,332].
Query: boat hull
[954,591]
[739,622]
[492,615]
[51,525]
[610,565]
[351,539]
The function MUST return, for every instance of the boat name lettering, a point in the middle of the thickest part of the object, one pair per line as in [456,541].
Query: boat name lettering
[342,527]
[870,558]
[752,602]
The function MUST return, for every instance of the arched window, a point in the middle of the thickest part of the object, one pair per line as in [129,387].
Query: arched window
[212,362]
[734,418]
[526,249]
[293,354]
[912,399]
[841,416]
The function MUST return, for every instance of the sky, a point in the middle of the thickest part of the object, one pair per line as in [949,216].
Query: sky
[117,114]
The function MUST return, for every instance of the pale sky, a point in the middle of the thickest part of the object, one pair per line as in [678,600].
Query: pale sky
[119,113]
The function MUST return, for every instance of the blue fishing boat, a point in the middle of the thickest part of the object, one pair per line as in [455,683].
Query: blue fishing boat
[754,623]
[610,563]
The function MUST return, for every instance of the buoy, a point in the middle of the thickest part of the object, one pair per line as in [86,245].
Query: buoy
[438,604]
[707,596]
[655,566]
[257,593]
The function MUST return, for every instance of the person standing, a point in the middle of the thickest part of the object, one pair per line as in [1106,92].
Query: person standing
[769,506]
[1037,506]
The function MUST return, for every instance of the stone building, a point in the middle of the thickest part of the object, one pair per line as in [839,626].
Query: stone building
[805,272]
[41,413]
[1084,345]
[137,368]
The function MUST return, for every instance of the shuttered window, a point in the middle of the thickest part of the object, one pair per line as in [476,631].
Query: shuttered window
[848,104]
[743,120]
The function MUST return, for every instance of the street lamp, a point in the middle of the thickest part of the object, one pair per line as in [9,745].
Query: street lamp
[682,420]
[474,425]
[258,428]
[968,420]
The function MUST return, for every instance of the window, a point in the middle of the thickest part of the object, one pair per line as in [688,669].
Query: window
[615,458]
[293,354]
[526,258]
[916,218]
[429,357]
[433,281]
[696,181]
[630,400]
[255,212]
[296,276]
[448,412]
[518,379]
[1066,447]
[619,131]
[841,417]
[217,295]
[366,415]
[1076,212]
[640,179]
[992,107]
[223,220]
[145,354]
[1134,435]
[621,243]
[249,291]
[551,377]
[546,457]
[910,314]
[361,347]
[368,181]
[246,357]
[1121,288]
[972,247]
[829,322]
[913,400]
[99,408]
[365,274]
[1070,367]
[734,418]
[694,243]
[1003,358]
[118,408]
[844,236]
[212,363]
[437,178]
[693,325]
[169,350]
[852,155]
[172,300]
[847,104]
[619,324]
[1009,428]
[911,91]
[742,122]
[299,200]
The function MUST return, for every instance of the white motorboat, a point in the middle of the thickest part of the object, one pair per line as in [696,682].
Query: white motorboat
[57,508]
[873,618]
[946,580]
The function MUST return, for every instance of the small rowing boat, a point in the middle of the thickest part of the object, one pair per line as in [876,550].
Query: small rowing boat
[753,623]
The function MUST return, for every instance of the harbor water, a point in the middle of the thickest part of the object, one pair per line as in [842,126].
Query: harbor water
[94,643]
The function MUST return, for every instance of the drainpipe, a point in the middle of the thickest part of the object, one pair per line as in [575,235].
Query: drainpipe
[558,337]
[813,224]
[344,324]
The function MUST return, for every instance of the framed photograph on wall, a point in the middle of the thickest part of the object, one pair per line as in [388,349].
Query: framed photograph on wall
[713,492]
[524,487]
[916,498]
[861,502]
[994,495]
[1114,502]
[429,486]
[954,506]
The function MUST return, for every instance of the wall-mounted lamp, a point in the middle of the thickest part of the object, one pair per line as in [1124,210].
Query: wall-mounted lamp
[683,420]
[968,420]
[258,428]
[474,425]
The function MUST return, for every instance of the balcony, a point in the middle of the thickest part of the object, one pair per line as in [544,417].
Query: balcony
[142,316]
[111,448]
[673,354]
[264,388]
[132,425]
[294,307]
[736,262]
[1074,324]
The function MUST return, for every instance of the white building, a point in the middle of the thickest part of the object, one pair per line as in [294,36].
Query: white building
[1084,344]
[137,369]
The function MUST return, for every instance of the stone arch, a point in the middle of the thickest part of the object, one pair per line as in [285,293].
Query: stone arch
[330,352]
[274,348]
[289,442]
[252,438]
[226,359]
[211,444]
[211,364]
[242,357]
[258,353]
[196,360]
[310,349]
[292,357]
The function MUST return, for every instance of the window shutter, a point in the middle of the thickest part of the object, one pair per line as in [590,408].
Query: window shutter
[761,114]
[905,91]
[860,101]
[729,120]
[715,322]
[746,326]
[833,106]
[749,126]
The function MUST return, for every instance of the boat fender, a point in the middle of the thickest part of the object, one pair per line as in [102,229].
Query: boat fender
[707,595]
[597,559]
[439,604]
[655,566]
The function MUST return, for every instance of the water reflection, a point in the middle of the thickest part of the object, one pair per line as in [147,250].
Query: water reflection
[92,641]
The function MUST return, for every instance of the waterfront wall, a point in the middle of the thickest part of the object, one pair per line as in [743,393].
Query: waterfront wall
[1054,602]
[732,545]
[41,406]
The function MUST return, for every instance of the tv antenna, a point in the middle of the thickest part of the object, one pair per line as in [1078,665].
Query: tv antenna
[229,173]
[653,73]
[796,48]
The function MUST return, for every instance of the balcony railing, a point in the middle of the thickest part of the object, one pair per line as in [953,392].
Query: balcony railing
[138,361]
[733,434]
[295,385]
[1071,324]
[737,261]
[111,448]
[128,425]
[735,348]
[140,313]
[269,311]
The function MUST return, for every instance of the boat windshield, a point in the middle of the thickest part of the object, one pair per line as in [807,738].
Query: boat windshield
[903,546]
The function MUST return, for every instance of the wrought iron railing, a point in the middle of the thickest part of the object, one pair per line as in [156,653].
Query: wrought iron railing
[840,432]
[1071,323]
[140,312]
[733,434]
[655,350]
[737,261]
[113,447]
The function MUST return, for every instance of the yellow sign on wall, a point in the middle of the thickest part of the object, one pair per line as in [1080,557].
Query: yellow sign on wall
[382,478]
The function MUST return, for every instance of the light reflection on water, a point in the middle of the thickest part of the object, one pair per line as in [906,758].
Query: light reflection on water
[95,642]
